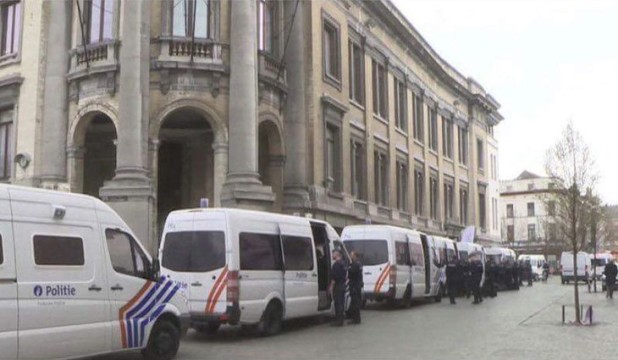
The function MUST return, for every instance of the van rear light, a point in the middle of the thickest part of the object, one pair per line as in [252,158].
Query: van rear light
[392,276]
[233,288]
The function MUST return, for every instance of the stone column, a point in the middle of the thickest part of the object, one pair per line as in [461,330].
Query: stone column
[131,192]
[52,167]
[242,186]
[296,194]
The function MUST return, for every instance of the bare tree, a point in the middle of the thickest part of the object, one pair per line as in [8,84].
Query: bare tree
[570,165]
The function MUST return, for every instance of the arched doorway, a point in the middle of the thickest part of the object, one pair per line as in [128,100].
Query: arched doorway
[185,162]
[271,160]
[99,156]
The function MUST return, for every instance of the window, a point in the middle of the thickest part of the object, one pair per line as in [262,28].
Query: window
[419,133]
[331,51]
[448,201]
[58,250]
[551,208]
[6,144]
[480,153]
[447,138]
[260,252]
[374,252]
[552,229]
[100,20]
[494,213]
[510,213]
[333,159]
[531,209]
[419,191]
[463,145]
[510,233]
[1,252]
[11,26]
[357,73]
[381,178]
[194,251]
[416,254]
[433,129]
[463,206]
[191,18]
[298,253]
[267,16]
[402,253]
[402,186]
[531,186]
[482,209]
[401,108]
[126,255]
[531,232]
[358,170]
[494,167]
[433,198]
[380,96]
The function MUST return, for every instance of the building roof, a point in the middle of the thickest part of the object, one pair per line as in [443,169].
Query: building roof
[527,175]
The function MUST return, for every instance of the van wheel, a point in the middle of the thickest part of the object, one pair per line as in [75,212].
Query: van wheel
[272,320]
[163,342]
[210,329]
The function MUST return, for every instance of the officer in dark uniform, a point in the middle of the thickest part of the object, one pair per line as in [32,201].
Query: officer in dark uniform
[355,283]
[516,276]
[452,281]
[464,273]
[337,286]
[476,276]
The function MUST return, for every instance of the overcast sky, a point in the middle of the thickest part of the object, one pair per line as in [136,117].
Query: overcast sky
[546,62]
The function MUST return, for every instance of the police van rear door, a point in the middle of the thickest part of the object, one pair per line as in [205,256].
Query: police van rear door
[8,282]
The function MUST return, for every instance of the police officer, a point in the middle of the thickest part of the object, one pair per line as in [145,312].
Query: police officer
[355,283]
[611,270]
[452,281]
[476,276]
[337,286]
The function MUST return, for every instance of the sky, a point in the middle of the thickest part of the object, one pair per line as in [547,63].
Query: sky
[547,62]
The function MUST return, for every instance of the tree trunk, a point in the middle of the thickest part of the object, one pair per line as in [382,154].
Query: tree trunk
[576,289]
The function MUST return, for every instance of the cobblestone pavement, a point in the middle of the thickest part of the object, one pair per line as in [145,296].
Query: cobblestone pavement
[525,324]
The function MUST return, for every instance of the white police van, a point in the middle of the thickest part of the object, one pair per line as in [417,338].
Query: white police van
[75,282]
[247,267]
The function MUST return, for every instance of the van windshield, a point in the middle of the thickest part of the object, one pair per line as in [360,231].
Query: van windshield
[194,251]
[373,252]
[599,262]
[493,258]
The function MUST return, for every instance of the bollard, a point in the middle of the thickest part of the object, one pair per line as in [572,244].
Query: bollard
[562,314]
[590,312]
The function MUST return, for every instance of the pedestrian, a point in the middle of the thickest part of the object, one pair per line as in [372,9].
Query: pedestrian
[611,270]
[355,284]
[545,271]
[337,286]
[452,281]
[529,272]
[476,277]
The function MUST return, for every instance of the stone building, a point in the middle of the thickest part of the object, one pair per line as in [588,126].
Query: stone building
[528,223]
[338,109]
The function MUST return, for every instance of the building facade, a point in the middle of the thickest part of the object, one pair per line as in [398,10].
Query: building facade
[528,223]
[336,109]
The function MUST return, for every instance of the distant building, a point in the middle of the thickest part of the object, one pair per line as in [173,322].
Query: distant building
[527,223]
[608,237]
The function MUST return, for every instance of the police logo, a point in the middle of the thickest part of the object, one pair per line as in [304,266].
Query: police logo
[38,291]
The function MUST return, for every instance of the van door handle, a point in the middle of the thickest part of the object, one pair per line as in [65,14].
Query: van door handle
[94,288]
[197,283]
[314,275]
[117,287]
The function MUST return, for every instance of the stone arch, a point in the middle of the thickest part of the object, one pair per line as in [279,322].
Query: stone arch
[271,156]
[82,119]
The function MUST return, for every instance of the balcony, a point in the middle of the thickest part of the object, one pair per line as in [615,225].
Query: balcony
[271,70]
[181,52]
[94,58]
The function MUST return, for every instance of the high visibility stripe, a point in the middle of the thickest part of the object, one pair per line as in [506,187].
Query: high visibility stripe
[381,279]
[215,298]
[214,288]
[127,306]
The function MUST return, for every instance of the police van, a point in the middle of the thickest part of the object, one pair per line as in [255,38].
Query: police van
[398,264]
[75,282]
[536,262]
[249,267]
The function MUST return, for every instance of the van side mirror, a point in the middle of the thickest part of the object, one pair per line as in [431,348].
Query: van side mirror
[156,269]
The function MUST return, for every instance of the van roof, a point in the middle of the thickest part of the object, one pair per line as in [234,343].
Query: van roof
[232,211]
[378,227]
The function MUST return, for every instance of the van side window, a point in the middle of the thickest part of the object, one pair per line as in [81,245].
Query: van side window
[1,252]
[126,256]
[298,253]
[260,252]
[58,250]
[416,252]
[402,253]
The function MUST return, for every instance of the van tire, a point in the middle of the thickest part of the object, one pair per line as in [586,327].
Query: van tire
[271,321]
[164,341]
[211,328]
